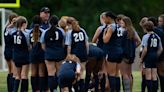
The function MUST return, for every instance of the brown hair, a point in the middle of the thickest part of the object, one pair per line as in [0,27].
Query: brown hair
[74,23]
[119,17]
[142,21]
[129,27]
[149,26]
[162,16]
[20,21]
[11,16]
[36,32]
[72,57]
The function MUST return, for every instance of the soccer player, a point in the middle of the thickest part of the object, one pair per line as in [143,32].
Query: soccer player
[10,28]
[21,54]
[77,41]
[152,49]
[69,73]
[53,44]
[131,42]
[112,38]
[38,80]
[143,84]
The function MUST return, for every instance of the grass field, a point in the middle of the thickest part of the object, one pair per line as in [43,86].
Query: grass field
[136,86]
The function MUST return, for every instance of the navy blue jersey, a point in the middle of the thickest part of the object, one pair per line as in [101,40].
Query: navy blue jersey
[54,45]
[113,48]
[160,32]
[20,47]
[96,52]
[78,46]
[129,47]
[36,53]
[152,41]
[100,38]
[67,66]
[8,42]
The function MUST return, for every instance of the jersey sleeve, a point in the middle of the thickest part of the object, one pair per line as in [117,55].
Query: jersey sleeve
[68,40]
[86,36]
[42,40]
[27,37]
[145,40]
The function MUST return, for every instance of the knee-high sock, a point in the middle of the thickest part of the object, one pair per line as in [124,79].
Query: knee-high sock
[155,85]
[12,79]
[9,76]
[82,85]
[24,85]
[161,78]
[112,83]
[52,83]
[143,84]
[87,80]
[16,85]
[102,83]
[126,83]
[34,83]
[149,85]
[42,84]
[117,84]
[96,82]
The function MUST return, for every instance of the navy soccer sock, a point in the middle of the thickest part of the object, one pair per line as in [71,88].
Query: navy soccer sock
[87,80]
[16,85]
[52,83]
[42,84]
[24,85]
[143,85]
[112,83]
[149,85]
[9,76]
[102,83]
[155,85]
[96,82]
[82,85]
[117,84]
[34,83]
[161,78]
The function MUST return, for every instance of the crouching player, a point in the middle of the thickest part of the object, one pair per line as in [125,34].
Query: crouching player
[69,73]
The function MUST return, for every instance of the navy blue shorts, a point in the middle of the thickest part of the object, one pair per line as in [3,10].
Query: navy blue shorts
[65,79]
[19,65]
[8,54]
[150,61]
[114,58]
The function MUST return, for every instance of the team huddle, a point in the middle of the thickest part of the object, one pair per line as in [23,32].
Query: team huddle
[58,55]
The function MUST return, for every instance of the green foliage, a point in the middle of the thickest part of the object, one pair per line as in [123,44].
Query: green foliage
[87,11]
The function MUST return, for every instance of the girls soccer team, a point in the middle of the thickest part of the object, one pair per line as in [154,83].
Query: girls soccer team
[63,51]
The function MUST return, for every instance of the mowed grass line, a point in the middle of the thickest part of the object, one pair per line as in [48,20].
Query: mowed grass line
[136,83]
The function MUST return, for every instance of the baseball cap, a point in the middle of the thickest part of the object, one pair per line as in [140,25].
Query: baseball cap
[44,9]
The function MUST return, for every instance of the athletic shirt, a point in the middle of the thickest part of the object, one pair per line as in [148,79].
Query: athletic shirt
[54,46]
[129,46]
[77,40]
[100,38]
[152,41]
[160,32]
[36,53]
[96,52]
[115,43]
[68,66]
[8,36]
[20,47]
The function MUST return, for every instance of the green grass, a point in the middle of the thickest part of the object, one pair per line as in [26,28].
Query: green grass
[136,85]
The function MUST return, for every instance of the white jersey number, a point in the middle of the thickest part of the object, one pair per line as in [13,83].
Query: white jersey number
[153,42]
[17,39]
[119,32]
[78,37]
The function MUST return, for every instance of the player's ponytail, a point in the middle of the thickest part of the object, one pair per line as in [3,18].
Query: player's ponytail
[53,22]
[36,31]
